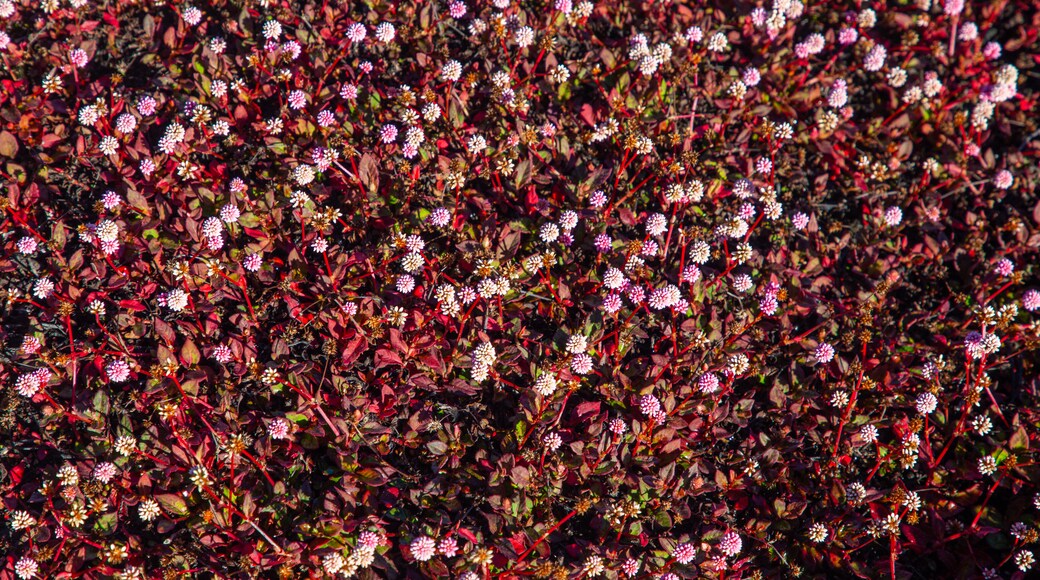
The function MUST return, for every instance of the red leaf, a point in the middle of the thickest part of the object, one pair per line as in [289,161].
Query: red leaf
[132,305]
[386,357]
[589,409]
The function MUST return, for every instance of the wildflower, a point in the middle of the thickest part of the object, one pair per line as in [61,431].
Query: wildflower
[423,548]
[817,533]
[617,426]
[581,364]
[875,58]
[730,544]
[893,216]
[192,16]
[593,566]
[987,465]
[117,371]
[448,547]
[388,133]
[278,428]
[718,42]
[684,553]
[176,300]
[297,100]
[552,441]
[824,352]
[549,232]
[252,262]
[356,32]
[1005,267]
[869,433]
[385,32]
[577,344]
[708,383]
[926,403]
[26,568]
[649,405]
[1024,560]
[148,510]
[1031,300]
[1003,179]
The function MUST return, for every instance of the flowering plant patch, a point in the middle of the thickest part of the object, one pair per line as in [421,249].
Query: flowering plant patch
[504,289]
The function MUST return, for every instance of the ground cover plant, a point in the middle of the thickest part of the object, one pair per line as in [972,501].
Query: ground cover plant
[519,289]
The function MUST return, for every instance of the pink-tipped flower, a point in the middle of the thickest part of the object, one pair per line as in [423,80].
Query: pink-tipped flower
[78,57]
[278,429]
[617,426]
[252,262]
[730,544]
[423,548]
[926,403]
[552,441]
[1003,179]
[104,472]
[222,354]
[1005,267]
[1031,300]
[448,547]
[684,553]
[824,353]
[893,216]
[388,134]
[27,245]
[708,383]
[117,371]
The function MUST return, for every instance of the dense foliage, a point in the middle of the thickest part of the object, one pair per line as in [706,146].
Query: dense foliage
[501,289]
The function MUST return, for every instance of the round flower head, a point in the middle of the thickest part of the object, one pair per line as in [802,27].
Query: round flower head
[423,548]
[824,353]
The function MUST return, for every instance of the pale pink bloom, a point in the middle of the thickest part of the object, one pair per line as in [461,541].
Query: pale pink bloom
[552,441]
[448,547]
[612,303]
[278,429]
[893,216]
[708,383]
[192,16]
[649,405]
[253,262]
[78,57]
[31,345]
[457,9]
[349,92]
[991,51]
[1003,179]
[369,540]
[297,100]
[581,364]
[730,544]
[926,403]
[388,133]
[104,472]
[1005,267]
[875,59]
[222,354]
[1031,300]
[598,199]
[356,32]
[385,32]
[146,105]
[684,553]
[326,118]
[118,371]
[423,548]
[617,426]
[768,305]
[824,352]
[848,36]
[27,245]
